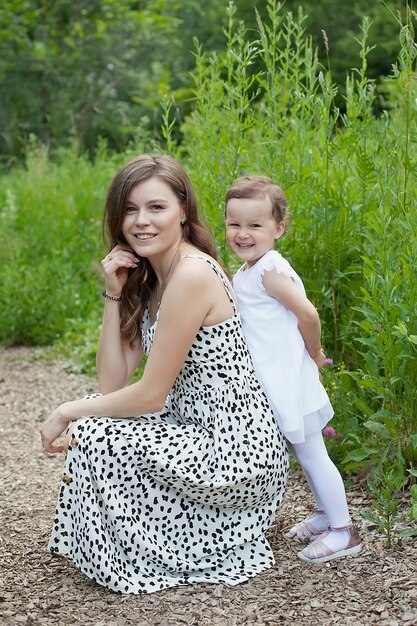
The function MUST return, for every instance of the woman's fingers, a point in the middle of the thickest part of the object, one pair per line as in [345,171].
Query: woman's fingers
[119,259]
[49,446]
[115,266]
[53,449]
[52,429]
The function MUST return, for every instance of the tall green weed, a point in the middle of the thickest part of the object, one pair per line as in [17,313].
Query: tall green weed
[51,245]
[262,105]
[266,106]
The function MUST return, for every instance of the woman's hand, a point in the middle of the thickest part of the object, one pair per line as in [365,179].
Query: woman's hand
[116,267]
[53,427]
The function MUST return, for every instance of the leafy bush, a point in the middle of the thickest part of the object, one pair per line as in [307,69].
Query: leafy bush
[262,105]
[351,183]
[50,221]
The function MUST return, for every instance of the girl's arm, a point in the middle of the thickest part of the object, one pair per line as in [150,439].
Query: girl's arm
[187,301]
[283,289]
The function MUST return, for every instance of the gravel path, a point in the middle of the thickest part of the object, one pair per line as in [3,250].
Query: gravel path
[376,587]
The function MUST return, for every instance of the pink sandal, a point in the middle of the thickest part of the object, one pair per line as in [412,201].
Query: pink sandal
[318,552]
[305,529]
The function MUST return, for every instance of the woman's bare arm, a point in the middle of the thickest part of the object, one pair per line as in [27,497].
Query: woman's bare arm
[187,301]
[116,360]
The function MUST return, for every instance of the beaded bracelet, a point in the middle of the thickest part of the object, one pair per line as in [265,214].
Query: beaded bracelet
[109,297]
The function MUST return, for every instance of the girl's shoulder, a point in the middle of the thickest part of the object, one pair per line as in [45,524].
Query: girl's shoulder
[274,260]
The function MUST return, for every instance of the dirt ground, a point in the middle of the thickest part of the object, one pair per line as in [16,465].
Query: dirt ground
[378,586]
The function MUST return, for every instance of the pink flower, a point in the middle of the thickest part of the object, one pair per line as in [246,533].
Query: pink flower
[328,361]
[329,432]
[339,436]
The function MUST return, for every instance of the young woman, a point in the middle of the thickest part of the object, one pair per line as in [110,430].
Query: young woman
[181,479]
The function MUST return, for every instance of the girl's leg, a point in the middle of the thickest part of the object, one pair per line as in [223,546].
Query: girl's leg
[327,486]
[317,522]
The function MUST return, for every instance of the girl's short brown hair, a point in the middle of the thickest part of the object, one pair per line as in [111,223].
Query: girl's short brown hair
[261,186]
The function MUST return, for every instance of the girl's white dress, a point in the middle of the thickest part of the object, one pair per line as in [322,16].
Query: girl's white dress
[286,371]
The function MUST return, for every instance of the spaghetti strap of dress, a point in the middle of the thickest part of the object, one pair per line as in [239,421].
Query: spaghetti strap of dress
[226,284]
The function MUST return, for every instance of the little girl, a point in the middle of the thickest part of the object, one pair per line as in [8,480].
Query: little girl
[282,330]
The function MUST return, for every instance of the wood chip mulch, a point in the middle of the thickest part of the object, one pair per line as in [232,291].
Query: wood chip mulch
[378,586]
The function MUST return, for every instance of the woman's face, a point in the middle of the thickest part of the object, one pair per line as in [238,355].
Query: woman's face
[152,222]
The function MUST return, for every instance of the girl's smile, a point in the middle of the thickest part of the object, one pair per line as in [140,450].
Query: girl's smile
[251,230]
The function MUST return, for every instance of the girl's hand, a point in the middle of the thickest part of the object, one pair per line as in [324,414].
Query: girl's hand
[320,360]
[116,267]
[53,427]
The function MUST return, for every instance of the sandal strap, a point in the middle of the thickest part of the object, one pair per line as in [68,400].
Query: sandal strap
[341,528]
[318,549]
[305,528]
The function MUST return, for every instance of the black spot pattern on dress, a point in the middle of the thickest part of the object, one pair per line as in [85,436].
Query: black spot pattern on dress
[184,495]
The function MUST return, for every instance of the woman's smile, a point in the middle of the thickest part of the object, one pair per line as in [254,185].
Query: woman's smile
[152,223]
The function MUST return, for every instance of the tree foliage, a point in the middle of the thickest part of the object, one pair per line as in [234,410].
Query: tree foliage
[84,69]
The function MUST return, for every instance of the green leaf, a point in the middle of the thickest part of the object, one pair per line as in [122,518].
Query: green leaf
[357,455]
[377,427]
[370,517]
[402,328]
[410,532]
[388,416]
[395,379]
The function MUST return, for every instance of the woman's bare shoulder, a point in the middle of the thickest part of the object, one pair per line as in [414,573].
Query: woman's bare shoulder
[196,266]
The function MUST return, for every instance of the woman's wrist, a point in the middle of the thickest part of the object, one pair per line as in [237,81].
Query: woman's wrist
[110,295]
[70,411]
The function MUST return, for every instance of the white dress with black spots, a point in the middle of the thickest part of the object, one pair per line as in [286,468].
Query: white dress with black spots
[184,495]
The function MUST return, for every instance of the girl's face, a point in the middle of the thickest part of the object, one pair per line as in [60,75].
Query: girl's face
[251,230]
[152,223]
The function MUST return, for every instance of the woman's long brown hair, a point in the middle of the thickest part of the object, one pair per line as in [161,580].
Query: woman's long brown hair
[141,280]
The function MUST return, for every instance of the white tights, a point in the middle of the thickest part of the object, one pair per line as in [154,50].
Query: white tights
[326,485]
